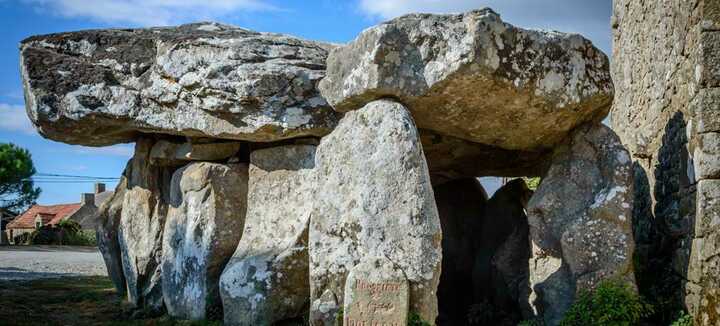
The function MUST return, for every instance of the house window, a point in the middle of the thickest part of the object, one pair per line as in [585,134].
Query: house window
[38,225]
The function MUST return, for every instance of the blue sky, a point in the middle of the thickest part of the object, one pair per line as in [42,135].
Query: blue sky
[334,21]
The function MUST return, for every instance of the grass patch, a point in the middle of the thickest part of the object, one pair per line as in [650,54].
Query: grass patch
[70,301]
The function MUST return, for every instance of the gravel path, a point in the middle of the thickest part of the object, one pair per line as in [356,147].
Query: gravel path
[33,262]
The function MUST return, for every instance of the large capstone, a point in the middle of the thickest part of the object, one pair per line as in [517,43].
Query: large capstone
[266,280]
[373,198]
[579,219]
[204,225]
[474,77]
[140,231]
[101,87]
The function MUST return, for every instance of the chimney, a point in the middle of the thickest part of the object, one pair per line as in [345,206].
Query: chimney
[99,187]
[87,199]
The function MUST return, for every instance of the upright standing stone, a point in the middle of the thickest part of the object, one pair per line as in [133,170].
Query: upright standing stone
[461,204]
[106,232]
[141,228]
[373,198]
[579,221]
[376,293]
[267,278]
[203,227]
[500,273]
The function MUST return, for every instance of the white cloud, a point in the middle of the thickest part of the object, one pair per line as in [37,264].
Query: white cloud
[590,18]
[394,8]
[124,150]
[14,118]
[149,12]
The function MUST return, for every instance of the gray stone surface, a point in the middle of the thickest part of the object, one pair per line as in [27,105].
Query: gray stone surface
[374,198]
[140,232]
[706,156]
[451,158]
[500,273]
[581,230]
[109,215]
[101,87]
[266,280]
[167,152]
[376,293]
[521,89]
[203,227]
[665,60]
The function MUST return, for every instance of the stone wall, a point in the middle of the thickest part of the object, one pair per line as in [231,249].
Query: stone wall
[665,72]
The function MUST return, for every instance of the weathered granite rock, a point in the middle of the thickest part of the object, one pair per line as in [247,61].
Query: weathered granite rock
[580,230]
[703,271]
[461,206]
[522,89]
[373,198]
[101,87]
[267,278]
[204,225]
[106,233]
[502,259]
[142,221]
[376,293]
[451,158]
[166,152]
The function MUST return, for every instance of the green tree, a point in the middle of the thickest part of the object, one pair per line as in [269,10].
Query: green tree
[17,190]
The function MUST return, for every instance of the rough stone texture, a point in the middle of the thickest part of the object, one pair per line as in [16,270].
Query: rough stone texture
[665,65]
[581,230]
[166,152]
[267,278]
[373,198]
[106,232]
[101,87]
[461,205]
[452,158]
[522,89]
[204,225]
[142,221]
[376,293]
[706,156]
[500,271]
[704,262]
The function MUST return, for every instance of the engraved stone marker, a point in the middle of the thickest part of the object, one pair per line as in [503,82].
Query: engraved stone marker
[376,294]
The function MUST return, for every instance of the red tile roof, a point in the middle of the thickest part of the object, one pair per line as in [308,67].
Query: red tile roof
[49,214]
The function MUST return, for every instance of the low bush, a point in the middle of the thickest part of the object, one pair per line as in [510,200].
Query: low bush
[684,319]
[415,320]
[610,304]
[67,232]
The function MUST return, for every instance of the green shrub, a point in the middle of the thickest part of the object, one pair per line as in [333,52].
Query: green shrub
[340,316]
[74,235]
[532,183]
[415,320]
[80,238]
[610,304]
[683,320]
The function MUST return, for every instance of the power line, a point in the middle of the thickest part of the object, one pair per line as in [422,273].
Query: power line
[74,176]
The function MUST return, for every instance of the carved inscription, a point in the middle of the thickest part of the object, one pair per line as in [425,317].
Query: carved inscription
[376,294]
